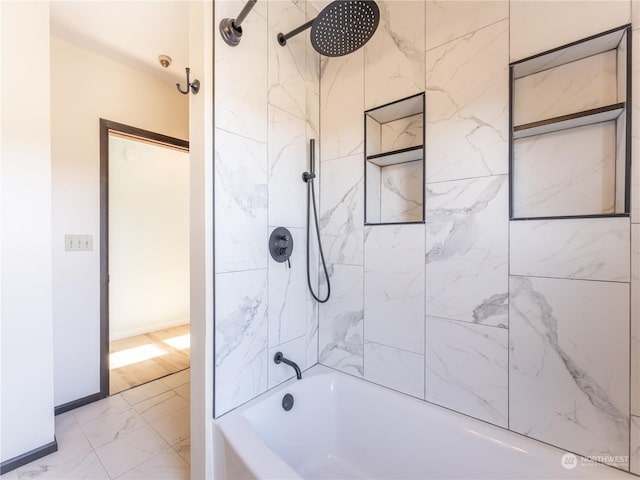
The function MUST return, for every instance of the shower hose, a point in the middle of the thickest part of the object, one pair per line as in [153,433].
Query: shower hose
[311,199]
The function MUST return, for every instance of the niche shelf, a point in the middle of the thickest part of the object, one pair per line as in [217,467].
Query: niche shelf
[394,162]
[570,136]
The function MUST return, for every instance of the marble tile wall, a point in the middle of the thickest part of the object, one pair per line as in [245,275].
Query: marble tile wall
[635,249]
[263,121]
[526,324]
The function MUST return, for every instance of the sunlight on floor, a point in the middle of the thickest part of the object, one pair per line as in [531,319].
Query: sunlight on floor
[134,355]
[179,343]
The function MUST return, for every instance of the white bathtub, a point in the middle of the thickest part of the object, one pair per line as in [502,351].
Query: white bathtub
[341,427]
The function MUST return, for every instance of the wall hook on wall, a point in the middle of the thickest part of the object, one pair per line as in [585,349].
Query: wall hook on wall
[194,86]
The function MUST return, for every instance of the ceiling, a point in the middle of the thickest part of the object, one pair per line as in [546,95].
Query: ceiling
[133,32]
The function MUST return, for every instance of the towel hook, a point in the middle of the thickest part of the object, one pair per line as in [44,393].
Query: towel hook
[194,86]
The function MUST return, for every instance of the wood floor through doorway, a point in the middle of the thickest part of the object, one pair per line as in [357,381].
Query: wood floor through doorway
[144,358]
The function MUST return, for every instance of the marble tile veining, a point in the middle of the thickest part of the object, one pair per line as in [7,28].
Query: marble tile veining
[401,192]
[342,105]
[467,368]
[448,20]
[394,368]
[341,321]
[241,100]
[582,248]
[467,250]
[286,65]
[166,465]
[467,100]
[569,363]
[342,209]
[394,57]
[288,158]
[394,286]
[287,293]
[241,203]
[241,338]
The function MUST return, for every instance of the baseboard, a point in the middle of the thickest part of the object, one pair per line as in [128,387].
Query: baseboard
[28,457]
[65,407]
[132,332]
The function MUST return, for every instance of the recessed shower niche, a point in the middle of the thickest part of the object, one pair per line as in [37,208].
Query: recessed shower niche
[394,162]
[570,129]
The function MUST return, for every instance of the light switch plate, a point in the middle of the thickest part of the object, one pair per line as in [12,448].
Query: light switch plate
[78,243]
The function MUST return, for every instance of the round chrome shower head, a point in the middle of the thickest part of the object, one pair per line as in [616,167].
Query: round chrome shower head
[344,26]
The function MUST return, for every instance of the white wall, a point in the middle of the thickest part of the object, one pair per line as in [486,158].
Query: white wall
[26,379]
[85,87]
[201,31]
[148,237]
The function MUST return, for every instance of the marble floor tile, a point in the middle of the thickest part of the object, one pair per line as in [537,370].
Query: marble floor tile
[105,430]
[177,379]
[167,465]
[184,449]
[158,407]
[144,392]
[110,439]
[125,453]
[174,428]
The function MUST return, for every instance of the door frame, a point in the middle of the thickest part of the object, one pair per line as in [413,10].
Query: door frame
[106,127]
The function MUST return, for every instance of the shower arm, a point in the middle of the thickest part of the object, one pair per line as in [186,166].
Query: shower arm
[243,14]
[230,28]
[282,38]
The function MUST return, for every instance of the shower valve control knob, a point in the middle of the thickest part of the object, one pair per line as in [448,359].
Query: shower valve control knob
[281,245]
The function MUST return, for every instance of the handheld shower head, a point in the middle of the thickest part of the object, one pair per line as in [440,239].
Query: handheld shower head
[342,27]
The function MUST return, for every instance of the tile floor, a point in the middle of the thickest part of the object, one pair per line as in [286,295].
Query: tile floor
[142,433]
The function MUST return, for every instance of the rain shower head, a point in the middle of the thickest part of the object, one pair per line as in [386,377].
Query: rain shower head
[342,27]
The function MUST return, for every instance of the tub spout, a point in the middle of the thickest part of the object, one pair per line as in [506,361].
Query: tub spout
[279,358]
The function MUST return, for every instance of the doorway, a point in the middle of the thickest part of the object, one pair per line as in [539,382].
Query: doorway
[144,217]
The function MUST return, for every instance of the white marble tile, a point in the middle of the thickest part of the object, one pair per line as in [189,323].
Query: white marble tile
[342,105]
[341,321]
[635,445]
[581,248]
[174,428]
[467,100]
[394,368]
[394,56]
[184,391]
[635,319]
[286,65]
[588,18]
[401,192]
[74,459]
[160,406]
[288,158]
[293,350]
[394,286]
[105,430]
[84,466]
[241,203]
[569,363]
[446,20]
[311,333]
[342,209]
[124,453]
[183,449]
[635,126]
[167,465]
[569,88]
[101,409]
[176,379]
[374,184]
[570,172]
[241,100]
[467,250]
[241,338]
[402,133]
[466,369]
[287,293]
[144,392]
